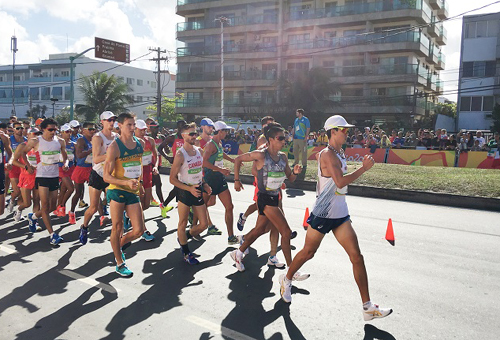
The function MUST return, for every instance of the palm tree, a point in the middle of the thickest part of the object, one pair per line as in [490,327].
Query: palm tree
[102,93]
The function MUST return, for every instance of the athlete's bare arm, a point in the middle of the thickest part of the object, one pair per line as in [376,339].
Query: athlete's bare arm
[155,154]
[79,152]
[256,156]
[64,154]
[20,154]
[332,167]
[96,149]
[163,148]
[209,150]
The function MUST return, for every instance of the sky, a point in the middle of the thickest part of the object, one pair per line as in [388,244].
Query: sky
[46,27]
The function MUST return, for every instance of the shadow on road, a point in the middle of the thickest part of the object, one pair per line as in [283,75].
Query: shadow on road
[372,333]
[294,192]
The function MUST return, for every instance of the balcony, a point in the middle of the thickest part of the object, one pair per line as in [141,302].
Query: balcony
[442,13]
[228,48]
[258,19]
[436,4]
[433,29]
[209,107]
[441,61]
[439,87]
[442,36]
[361,106]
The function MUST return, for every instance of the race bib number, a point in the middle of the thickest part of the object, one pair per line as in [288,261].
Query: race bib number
[275,180]
[195,176]
[341,191]
[50,157]
[32,160]
[71,156]
[147,158]
[220,164]
[132,169]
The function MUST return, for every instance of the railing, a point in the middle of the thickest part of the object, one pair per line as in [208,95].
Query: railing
[187,2]
[371,70]
[16,100]
[228,48]
[354,9]
[234,102]
[236,21]
[349,101]
[442,57]
[228,75]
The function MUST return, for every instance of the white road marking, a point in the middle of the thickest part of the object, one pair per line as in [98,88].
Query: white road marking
[89,281]
[7,250]
[218,329]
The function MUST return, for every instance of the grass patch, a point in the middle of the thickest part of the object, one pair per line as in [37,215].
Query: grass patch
[459,181]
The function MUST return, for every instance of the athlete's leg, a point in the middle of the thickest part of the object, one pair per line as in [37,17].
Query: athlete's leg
[183,211]
[274,237]
[69,188]
[171,196]
[2,204]
[45,200]
[36,200]
[202,213]
[146,198]
[311,244]
[227,202]
[116,211]
[135,213]
[26,193]
[250,210]
[95,202]
[347,238]
[16,193]
[261,227]
[275,215]
[76,196]
[157,184]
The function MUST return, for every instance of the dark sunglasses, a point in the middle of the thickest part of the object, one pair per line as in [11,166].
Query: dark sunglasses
[19,128]
[51,130]
[10,131]
[192,134]
[91,129]
[280,138]
[111,120]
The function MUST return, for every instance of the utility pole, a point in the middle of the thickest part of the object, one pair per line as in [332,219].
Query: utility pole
[222,20]
[13,48]
[158,59]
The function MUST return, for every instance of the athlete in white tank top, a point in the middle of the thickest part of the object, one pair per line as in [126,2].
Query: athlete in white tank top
[99,167]
[49,153]
[191,172]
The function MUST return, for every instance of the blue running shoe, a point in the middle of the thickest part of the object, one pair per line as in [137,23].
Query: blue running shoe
[189,258]
[83,235]
[147,236]
[126,222]
[31,223]
[55,239]
[241,222]
[123,270]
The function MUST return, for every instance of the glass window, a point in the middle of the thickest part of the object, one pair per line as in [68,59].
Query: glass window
[35,93]
[492,28]
[470,30]
[465,103]
[153,84]
[490,70]
[477,104]
[45,93]
[57,92]
[479,67]
[130,81]
[481,29]
[140,82]
[67,92]
[488,103]
[139,99]
[468,69]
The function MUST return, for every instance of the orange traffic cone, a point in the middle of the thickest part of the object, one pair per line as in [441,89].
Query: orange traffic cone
[389,235]
[306,216]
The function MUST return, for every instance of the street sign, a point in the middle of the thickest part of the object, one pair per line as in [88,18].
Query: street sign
[112,50]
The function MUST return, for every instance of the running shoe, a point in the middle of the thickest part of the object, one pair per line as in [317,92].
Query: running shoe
[37,226]
[126,222]
[375,312]
[62,211]
[237,262]
[293,235]
[232,240]
[197,238]
[83,235]
[71,218]
[55,239]
[212,230]
[242,240]
[123,270]
[82,204]
[285,289]
[189,258]
[105,210]
[102,220]
[17,215]
[10,206]
[274,262]
[298,276]
[165,210]
[154,203]
[147,236]
[31,222]
[241,222]
[7,202]
[9,191]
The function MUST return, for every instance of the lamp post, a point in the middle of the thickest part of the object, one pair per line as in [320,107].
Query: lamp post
[222,20]
[13,48]
[71,76]
[54,100]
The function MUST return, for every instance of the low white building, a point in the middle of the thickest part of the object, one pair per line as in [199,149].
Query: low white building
[479,80]
[38,83]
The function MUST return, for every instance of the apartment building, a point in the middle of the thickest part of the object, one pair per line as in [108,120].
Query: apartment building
[36,84]
[386,55]
[479,82]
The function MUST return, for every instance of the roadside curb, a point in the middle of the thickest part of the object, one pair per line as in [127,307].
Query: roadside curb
[456,201]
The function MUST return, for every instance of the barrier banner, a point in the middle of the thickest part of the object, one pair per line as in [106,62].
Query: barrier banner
[479,160]
[422,157]
[356,155]
[231,147]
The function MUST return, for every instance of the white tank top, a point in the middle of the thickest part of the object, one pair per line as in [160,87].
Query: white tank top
[330,200]
[99,167]
[48,158]
[190,172]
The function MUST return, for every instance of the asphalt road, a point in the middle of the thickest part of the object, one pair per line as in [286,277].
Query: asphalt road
[441,278]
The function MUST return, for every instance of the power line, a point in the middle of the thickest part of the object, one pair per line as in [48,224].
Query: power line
[158,60]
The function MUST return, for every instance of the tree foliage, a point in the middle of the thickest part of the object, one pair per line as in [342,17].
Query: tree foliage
[447,108]
[167,113]
[495,117]
[36,111]
[103,93]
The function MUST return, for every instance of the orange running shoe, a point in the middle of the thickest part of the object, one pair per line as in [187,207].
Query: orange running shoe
[72,217]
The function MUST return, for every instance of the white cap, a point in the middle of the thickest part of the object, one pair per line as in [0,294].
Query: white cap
[66,127]
[220,125]
[74,124]
[106,115]
[115,125]
[140,124]
[33,130]
[336,121]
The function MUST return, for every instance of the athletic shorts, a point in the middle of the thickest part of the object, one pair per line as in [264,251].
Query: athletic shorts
[96,181]
[15,172]
[122,196]
[81,174]
[48,182]
[188,199]
[68,173]
[325,225]
[2,179]
[147,176]
[27,180]
[264,199]
[216,181]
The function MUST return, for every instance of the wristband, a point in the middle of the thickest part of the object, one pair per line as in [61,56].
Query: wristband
[26,167]
[237,180]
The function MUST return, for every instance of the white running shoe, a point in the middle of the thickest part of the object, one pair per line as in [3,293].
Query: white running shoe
[273,261]
[285,289]
[237,262]
[298,276]
[17,215]
[10,206]
[375,312]
[242,239]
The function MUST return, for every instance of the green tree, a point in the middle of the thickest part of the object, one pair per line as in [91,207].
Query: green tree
[447,108]
[36,111]
[167,113]
[103,93]
[495,117]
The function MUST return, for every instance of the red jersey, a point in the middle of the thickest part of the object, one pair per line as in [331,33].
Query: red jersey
[178,143]
[202,142]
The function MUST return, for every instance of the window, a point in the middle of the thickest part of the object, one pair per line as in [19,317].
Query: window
[140,82]
[481,29]
[1,78]
[478,103]
[139,99]
[488,103]
[153,84]
[45,93]
[17,78]
[57,92]
[492,28]
[479,69]
[130,81]
[64,73]
[35,93]
[67,92]
[298,66]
